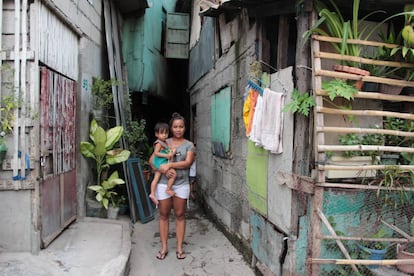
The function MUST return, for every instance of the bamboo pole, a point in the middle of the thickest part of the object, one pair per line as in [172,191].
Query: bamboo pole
[338,241]
[398,230]
[371,113]
[354,41]
[392,240]
[315,227]
[363,167]
[341,75]
[374,96]
[360,262]
[334,56]
[362,187]
[324,148]
[364,131]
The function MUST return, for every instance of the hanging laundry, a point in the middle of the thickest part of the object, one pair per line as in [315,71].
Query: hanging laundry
[255,134]
[249,109]
[272,121]
[267,127]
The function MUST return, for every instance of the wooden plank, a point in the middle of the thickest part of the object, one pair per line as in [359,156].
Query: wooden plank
[303,127]
[282,42]
[297,182]
[116,72]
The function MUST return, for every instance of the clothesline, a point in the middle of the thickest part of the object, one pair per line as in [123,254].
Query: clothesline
[255,86]
[259,89]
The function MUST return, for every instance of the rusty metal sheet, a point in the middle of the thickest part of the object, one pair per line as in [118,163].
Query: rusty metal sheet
[50,209]
[58,153]
[69,198]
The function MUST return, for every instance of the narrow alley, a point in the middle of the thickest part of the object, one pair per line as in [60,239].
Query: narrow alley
[208,251]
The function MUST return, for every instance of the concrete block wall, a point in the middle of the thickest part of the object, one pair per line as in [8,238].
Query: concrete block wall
[19,208]
[223,181]
[16,219]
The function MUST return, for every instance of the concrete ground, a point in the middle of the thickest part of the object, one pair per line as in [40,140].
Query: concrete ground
[90,246]
[208,250]
[93,246]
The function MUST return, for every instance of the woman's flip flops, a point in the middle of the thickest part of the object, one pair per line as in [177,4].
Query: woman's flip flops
[161,255]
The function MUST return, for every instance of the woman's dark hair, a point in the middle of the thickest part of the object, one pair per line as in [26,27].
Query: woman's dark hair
[161,127]
[176,116]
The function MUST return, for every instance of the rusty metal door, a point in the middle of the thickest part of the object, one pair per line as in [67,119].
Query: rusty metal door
[58,153]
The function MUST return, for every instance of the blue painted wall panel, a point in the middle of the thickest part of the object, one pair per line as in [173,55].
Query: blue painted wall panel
[267,243]
[141,48]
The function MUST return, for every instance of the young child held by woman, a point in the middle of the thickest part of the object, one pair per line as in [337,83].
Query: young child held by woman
[162,155]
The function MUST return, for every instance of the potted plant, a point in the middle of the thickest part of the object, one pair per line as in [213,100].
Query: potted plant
[122,203]
[102,150]
[137,142]
[374,250]
[102,96]
[356,158]
[106,195]
[401,125]
[406,251]
[137,139]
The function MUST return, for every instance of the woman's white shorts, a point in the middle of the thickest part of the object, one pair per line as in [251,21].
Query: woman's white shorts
[181,191]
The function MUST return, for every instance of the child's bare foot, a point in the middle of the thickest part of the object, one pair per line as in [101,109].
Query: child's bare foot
[170,192]
[154,199]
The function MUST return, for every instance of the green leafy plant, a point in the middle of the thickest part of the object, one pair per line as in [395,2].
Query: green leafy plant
[366,139]
[390,178]
[334,252]
[398,124]
[8,104]
[105,193]
[339,88]
[378,245]
[101,91]
[407,34]
[102,149]
[301,102]
[332,23]
[137,139]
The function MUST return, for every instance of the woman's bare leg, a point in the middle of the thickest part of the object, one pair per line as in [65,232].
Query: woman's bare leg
[165,210]
[179,213]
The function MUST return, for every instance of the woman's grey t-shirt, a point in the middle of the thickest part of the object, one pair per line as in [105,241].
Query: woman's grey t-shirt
[181,155]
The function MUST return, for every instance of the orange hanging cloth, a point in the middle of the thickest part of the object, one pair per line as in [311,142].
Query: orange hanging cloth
[248,110]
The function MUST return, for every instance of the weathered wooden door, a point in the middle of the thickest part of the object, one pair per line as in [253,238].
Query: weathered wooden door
[58,153]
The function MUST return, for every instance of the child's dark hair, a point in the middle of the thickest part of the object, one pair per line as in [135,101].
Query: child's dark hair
[161,127]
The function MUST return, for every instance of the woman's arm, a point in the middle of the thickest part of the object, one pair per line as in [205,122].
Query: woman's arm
[185,164]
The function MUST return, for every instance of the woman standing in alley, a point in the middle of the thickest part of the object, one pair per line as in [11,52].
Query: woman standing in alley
[179,168]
